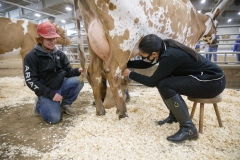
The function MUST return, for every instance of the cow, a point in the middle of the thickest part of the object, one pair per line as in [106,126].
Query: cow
[115,27]
[17,37]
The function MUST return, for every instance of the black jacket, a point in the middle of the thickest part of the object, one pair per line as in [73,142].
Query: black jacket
[44,72]
[176,62]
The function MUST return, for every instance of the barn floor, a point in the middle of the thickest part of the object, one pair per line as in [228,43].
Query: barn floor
[87,136]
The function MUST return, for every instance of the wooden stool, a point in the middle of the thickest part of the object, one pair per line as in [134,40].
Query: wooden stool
[202,101]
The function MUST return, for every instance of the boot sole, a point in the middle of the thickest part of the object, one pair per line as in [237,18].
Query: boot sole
[166,122]
[190,138]
[193,138]
[69,113]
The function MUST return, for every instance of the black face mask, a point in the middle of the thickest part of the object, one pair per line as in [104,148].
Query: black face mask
[147,59]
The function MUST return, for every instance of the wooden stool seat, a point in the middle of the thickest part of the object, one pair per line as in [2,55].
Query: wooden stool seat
[202,101]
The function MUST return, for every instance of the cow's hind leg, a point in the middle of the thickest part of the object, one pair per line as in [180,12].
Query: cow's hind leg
[114,78]
[97,80]
[120,103]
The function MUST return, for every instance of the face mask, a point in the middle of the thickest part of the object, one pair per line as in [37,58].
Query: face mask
[147,59]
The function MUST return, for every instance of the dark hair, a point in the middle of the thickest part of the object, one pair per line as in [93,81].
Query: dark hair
[152,43]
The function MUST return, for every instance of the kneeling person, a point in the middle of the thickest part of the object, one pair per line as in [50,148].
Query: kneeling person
[48,73]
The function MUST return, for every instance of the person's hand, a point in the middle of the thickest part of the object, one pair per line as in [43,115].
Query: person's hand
[57,97]
[82,71]
[126,72]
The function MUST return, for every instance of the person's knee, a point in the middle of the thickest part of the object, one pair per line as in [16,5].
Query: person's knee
[164,88]
[74,79]
[161,86]
[79,86]
[76,82]
[81,83]
[53,119]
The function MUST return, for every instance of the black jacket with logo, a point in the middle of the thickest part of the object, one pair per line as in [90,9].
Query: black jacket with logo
[44,72]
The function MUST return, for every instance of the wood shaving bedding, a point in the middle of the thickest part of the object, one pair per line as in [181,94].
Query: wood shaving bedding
[138,136]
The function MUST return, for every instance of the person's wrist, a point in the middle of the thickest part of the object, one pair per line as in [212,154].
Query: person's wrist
[129,73]
[79,70]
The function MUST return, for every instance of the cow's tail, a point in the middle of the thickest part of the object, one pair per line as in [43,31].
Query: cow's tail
[81,52]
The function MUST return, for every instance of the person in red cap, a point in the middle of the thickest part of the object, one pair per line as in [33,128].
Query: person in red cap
[48,73]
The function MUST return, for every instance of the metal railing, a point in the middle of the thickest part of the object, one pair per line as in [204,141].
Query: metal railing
[226,55]
[224,49]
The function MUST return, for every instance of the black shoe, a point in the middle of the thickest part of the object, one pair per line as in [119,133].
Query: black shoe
[184,133]
[169,119]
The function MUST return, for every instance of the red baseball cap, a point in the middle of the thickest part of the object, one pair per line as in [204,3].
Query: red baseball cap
[47,30]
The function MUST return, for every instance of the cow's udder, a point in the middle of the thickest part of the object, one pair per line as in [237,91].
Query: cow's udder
[98,40]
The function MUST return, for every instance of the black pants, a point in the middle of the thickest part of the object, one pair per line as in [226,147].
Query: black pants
[188,86]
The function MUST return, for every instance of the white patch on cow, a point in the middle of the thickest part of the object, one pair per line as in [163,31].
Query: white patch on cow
[134,10]
[24,25]
[107,83]
[118,72]
[99,79]
[120,93]
[13,20]
[208,23]
[15,53]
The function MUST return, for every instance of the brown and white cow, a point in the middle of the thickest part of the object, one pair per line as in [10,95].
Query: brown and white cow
[17,37]
[115,27]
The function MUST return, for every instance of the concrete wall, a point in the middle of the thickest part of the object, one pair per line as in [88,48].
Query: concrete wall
[232,73]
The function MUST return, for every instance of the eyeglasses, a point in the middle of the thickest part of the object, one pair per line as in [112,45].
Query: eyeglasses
[146,59]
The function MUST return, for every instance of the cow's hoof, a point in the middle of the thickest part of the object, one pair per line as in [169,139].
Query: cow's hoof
[120,116]
[102,113]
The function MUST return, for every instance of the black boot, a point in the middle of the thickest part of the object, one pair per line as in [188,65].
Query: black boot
[187,129]
[170,119]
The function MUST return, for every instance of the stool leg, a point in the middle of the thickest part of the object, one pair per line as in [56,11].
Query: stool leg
[193,109]
[201,117]
[218,114]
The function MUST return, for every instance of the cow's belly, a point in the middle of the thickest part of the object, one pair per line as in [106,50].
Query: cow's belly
[15,53]
[98,40]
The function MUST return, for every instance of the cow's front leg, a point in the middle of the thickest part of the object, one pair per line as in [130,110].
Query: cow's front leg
[97,80]
[98,84]
[100,110]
